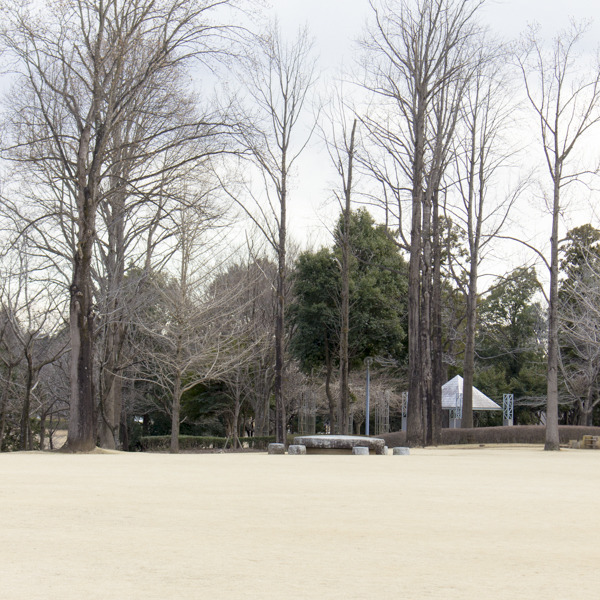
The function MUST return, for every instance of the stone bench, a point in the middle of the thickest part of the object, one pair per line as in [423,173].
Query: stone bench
[339,444]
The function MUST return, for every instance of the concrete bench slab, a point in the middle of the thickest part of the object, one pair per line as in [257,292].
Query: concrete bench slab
[339,444]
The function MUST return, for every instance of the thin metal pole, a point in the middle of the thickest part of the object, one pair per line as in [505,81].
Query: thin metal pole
[368,361]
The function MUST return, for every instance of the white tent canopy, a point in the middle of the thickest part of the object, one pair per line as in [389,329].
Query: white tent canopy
[452,396]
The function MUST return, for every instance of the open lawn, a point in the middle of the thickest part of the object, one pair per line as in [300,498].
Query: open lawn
[487,523]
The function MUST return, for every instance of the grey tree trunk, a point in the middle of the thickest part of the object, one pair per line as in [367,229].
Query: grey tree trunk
[114,335]
[175,414]
[345,308]
[333,420]
[3,404]
[415,427]
[25,425]
[435,424]
[81,435]
[426,345]
[280,416]
[552,436]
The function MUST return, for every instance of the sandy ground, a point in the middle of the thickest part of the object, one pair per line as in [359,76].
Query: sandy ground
[485,523]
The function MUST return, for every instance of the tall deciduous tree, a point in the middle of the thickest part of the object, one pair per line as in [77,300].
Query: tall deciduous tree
[86,68]
[480,209]
[565,98]
[340,135]
[281,76]
[418,60]
[579,315]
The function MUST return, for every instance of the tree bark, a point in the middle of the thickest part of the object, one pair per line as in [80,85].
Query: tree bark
[175,414]
[3,404]
[280,417]
[25,425]
[333,421]
[435,424]
[345,308]
[552,435]
[81,435]
[415,427]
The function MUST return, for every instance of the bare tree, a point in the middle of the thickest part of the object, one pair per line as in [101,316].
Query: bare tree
[281,77]
[579,316]
[200,337]
[32,320]
[418,59]
[566,101]
[85,68]
[255,306]
[339,133]
[482,154]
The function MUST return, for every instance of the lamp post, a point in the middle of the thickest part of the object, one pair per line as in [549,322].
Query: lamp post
[368,362]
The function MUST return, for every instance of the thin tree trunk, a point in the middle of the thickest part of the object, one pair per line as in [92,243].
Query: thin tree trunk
[25,425]
[176,405]
[3,404]
[345,309]
[473,233]
[552,436]
[415,424]
[425,321]
[333,422]
[111,384]
[280,417]
[42,430]
[436,319]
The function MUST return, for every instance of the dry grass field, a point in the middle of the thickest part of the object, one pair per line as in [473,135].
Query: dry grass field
[448,523]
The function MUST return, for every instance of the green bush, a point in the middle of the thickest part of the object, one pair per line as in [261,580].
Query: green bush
[518,434]
[162,443]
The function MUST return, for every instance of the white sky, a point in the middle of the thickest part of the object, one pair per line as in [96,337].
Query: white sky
[336,24]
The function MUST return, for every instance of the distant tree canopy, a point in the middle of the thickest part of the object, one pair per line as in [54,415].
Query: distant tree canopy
[510,351]
[579,331]
[378,285]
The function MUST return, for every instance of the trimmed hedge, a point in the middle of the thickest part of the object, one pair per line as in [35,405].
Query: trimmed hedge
[162,443]
[518,434]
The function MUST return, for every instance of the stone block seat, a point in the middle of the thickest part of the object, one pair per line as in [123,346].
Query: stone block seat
[339,444]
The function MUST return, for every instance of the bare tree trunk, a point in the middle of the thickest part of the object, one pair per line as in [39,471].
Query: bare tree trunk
[81,435]
[280,416]
[110,401]
[3,404]
[415,429]
[471,316]
[333,421]
[469,358]
[111,385]
[124,430]
[345,308]
[42,430]
[552,436]
[435,424]
[425,321]
[176,404]
[25,410]
[175,414]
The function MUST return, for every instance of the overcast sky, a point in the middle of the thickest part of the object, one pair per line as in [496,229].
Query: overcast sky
[335,26]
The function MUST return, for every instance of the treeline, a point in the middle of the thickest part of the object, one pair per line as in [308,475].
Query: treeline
[149,281]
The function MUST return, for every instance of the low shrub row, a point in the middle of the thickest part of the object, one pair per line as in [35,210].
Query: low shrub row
[519,434]
[162,443]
